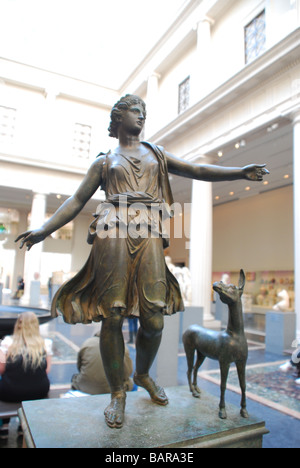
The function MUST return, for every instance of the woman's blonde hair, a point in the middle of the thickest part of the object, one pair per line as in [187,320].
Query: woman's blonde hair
[27,341]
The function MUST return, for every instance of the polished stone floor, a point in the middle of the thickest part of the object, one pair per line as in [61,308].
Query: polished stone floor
[273,396]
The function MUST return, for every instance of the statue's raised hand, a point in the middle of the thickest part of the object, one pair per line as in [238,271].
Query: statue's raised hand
[30,238]
[255,172]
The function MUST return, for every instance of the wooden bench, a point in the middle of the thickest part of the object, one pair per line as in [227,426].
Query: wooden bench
[10,410]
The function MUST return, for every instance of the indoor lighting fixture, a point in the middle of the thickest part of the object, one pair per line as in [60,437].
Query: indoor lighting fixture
[266,182]
[217,197]
[231,193]
[247,189]
[272,128]
[240,144]
[220,154]
[286,176]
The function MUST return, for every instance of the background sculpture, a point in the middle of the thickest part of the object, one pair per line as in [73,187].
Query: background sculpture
[183,276]
[284,303]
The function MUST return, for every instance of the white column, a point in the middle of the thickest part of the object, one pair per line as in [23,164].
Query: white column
[201,246]
[152,103]
[296,125]
[20,254]
[33,257]
[202,72]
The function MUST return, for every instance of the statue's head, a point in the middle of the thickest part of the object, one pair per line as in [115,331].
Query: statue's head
[119,108]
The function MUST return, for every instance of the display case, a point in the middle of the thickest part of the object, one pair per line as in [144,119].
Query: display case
[264,292]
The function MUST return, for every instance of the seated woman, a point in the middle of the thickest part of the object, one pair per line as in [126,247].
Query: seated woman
[91,378]
[25,361]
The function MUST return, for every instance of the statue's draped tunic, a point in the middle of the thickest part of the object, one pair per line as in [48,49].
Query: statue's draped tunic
[126,269]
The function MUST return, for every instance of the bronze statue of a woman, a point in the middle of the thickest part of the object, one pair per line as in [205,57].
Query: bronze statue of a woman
[126,275]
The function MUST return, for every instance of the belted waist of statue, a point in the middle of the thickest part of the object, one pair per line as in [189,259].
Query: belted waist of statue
[129,198]
[134,214]
[138,197]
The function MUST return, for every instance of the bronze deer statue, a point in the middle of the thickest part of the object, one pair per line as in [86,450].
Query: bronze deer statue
[227,346]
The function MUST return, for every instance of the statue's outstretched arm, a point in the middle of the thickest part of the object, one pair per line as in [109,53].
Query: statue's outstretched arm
[69,209]
[212,173]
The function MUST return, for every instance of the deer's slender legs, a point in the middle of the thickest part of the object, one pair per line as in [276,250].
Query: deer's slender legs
[199,362]
[241,369]
[224,367]
[190,354]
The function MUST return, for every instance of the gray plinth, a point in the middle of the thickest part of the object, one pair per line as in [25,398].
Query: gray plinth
[221,312]
[164,368]
[35,293]
[280,331]
[186,422]
[220,308]
[192,315]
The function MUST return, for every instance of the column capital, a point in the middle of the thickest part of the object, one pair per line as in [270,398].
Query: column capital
[51,93]
[206,19]
[295,115]
[292,112]
[39,194]
[154,74]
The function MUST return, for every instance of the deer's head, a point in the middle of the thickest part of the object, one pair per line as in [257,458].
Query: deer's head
[229,293]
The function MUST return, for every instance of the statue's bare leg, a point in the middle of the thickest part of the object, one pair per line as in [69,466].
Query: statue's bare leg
[147,345]
[112,352]
[152,289]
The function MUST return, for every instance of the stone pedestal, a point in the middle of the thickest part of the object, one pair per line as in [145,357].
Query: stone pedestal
[192,315]
[164,368]
[221,312]
[35,293]
[186,422]
[280,331]
[54,289]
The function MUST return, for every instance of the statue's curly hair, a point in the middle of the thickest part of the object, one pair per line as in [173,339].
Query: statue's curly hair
[117,111]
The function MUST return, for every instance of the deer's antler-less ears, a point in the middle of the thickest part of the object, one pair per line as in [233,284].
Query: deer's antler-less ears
[242,280]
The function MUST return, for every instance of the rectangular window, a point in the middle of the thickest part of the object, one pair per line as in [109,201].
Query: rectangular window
[255,37]
[184,95]
[82,140]
[7,124]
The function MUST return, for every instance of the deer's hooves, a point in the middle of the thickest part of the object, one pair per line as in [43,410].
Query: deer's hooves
[222,413]
[196,392]
[244,413]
